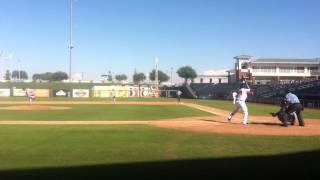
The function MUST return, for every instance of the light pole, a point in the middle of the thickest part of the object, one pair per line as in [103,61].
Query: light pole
[70,43]
[19,70]
[1,57]
[5,58]
[156,74]
[171,75]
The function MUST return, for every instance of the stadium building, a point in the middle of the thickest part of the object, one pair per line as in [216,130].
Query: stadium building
[276,70]
[212,77]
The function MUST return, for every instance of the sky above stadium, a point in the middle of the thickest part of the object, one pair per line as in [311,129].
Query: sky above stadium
[120,35]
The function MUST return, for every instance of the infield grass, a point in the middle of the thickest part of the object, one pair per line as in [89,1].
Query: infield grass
[253,108]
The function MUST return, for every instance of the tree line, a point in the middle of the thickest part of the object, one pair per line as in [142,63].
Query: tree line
[185,72]
[16,75]
[49,76]
[23,75]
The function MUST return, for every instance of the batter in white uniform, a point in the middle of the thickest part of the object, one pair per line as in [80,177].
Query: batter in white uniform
[240,102]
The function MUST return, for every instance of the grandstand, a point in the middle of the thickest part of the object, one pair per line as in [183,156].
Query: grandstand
[308,92]
[269,77]
[214,91]
[276,70]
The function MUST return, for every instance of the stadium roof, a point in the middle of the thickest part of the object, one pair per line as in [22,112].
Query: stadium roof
[243,57]
[286,61]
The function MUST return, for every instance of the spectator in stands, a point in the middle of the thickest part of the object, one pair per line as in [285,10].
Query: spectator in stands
[294,105]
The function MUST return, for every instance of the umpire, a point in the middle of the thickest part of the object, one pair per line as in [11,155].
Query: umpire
[294,106]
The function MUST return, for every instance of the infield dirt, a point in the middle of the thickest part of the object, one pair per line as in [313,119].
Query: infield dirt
[258,125]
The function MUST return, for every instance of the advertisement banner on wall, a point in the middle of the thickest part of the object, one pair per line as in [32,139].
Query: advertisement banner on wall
[145,92]
[102,91]
[109,91]
[105,91]
[19,92]
[61,93]
[80,93]
[42,92]
[5,93]
[121,91]
[133,91]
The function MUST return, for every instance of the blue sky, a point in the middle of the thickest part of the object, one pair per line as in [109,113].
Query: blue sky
[120,35]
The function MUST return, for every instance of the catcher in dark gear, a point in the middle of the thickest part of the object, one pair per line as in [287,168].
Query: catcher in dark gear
[283,116]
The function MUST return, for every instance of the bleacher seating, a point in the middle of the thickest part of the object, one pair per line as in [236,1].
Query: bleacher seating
[214,91]
[307,91]
[279,90]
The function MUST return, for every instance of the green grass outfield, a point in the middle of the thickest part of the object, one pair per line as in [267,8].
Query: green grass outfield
[254,108]
[28,150]
[104,112]
[142,152]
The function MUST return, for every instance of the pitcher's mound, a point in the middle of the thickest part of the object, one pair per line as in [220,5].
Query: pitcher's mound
[34,108]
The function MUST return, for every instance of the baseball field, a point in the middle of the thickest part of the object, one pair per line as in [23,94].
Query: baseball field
[137,138]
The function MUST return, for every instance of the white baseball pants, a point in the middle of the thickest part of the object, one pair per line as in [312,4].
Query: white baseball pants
[243,106]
